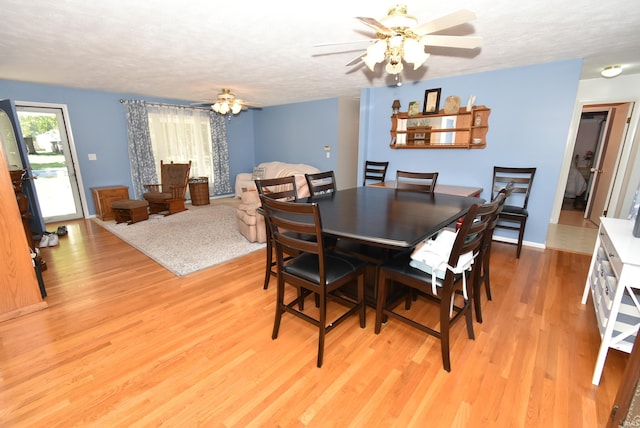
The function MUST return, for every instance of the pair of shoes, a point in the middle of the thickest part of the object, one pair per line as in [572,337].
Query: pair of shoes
[44,241]
[53,240]
[62,230]
[49,240]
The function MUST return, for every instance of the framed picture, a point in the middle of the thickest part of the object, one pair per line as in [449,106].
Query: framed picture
[414,108]
[431,101]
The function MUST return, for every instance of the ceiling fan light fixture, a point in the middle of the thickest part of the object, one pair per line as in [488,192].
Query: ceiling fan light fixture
[399,18]
[414,53]
[394,66]
[227,103]
[375,54]
[224,108]
[611,71]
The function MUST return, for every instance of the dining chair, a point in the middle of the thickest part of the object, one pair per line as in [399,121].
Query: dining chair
[440,287]
[514,212]
[281,188]
[297,228]
[416,181]
[321,183]
[483,273]
[375,171]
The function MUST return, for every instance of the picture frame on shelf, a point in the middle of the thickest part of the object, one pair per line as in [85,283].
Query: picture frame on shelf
[431,101]
[414,108]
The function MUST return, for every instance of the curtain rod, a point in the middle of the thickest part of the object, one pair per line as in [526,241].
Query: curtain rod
[123,101]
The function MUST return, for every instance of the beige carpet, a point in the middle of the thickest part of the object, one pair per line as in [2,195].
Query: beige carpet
[186,242]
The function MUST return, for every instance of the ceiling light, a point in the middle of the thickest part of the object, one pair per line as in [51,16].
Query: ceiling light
[227,103]
[400,47]
[611,71]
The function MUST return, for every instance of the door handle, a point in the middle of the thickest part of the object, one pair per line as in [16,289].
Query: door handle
[599,171]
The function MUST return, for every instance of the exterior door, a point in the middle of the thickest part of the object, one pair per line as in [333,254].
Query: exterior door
[606,161]
[17,159]
[46,136]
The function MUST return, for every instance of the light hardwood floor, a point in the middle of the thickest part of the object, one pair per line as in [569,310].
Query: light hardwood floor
[572,232]
[126,343]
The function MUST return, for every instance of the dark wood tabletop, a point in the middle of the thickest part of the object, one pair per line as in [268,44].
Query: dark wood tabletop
[449,189]
[387,217]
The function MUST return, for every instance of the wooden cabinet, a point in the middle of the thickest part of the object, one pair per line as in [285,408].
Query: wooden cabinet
[19,290]
[103,197]
[463,130]
[614,284]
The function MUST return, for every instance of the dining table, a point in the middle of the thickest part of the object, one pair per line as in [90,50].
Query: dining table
[382,221]
[449,189]
[389,217]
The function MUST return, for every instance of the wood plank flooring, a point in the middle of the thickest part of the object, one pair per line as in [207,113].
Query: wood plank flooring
[126,343]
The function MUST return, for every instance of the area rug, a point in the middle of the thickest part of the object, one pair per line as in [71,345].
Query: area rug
[189,241]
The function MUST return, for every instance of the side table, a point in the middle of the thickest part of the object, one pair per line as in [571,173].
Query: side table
[104,196]
[199,190]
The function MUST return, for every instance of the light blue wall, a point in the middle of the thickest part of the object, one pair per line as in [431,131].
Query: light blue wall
[99,126]
[297,133]
[240,135]
[531,109]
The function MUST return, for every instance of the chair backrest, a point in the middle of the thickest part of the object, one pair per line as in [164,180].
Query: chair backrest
[296,227]
[321,183]
[175,175]
[281,188]
[493,221]
[516,180]
[472,232]
[374,171]
[416,181]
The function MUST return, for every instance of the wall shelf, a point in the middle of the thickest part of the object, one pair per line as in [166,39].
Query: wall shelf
[462,130]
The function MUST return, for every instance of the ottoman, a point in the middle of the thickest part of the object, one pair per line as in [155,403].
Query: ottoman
[130,211]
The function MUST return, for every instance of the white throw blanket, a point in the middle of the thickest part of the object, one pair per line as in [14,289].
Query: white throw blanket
[432,257]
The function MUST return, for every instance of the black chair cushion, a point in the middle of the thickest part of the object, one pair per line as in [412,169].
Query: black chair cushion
[337,266]
[510,209]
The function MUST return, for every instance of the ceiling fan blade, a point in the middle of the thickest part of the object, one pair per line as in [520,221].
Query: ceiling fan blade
[452,41]
[247,105]
[451,20]
[375,25]
[342,43]
[356,60]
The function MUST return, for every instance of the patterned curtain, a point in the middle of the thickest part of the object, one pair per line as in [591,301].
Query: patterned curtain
[143,165]
[220,154]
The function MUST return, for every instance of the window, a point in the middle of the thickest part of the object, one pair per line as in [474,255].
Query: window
[180,134]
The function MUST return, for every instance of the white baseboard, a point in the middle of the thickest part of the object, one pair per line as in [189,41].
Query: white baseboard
[515,241]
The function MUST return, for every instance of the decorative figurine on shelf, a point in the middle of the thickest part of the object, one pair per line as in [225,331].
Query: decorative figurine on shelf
[395,107]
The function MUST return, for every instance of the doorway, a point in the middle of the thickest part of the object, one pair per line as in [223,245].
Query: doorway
[594,161]
[589,143]
[47,136]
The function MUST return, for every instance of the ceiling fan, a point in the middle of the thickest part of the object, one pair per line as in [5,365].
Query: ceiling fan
[400,38]
[228,103]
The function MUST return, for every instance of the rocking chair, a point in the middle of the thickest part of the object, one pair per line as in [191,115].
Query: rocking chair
[169,196]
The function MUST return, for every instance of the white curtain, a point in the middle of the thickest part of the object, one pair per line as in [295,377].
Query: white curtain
[182,134]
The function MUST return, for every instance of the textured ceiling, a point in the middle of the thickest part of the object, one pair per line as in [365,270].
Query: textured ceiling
[264,50]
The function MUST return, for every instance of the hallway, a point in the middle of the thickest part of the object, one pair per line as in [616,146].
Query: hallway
[573,232]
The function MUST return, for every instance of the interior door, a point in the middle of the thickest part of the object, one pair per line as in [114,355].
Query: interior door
[604,168]
[17,158]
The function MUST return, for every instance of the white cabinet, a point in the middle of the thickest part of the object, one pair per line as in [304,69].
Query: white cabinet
[614,281]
